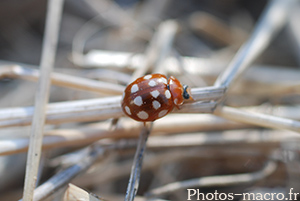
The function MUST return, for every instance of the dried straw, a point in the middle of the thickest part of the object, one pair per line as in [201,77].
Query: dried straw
[42,95]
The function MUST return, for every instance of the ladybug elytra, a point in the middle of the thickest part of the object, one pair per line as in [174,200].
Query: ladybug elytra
[153,96]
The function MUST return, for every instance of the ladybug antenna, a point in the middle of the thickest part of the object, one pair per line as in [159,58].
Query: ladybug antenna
[185,94]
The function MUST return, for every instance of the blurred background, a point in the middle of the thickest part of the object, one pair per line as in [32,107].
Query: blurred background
[208,30]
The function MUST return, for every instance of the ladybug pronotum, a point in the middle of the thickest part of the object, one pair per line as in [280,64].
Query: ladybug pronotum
[153,96]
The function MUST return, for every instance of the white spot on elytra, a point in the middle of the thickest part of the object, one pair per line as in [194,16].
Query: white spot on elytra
[164,80]
[147,77]
[143,115]
[127,109]
[156,104]
[155,93]
[134,88]
[168,94]
[152,83]
[138,101]
[176,101]
[162,113]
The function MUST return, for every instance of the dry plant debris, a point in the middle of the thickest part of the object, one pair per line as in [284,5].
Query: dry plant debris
[239,135]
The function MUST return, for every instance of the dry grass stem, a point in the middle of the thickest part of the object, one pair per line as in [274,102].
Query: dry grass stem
[91,133]
[257,119]
[256,76]
[75,193]
[212,181]
[105,108]
[42,95]
[63,80]
[242,137]
[294,30]
[165,37]
[127,128]
[273,18]
[98,109]
[64,177]
[82,110]
[133,183]
[241,125]
[216,29]
[170,124]
[158,49]
[283,81]
[152,162]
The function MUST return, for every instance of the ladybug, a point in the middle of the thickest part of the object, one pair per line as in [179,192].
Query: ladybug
[153,96]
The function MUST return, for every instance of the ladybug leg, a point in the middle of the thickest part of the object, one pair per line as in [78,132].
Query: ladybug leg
[114,123]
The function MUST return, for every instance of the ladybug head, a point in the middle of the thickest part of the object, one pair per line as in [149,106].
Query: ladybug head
[186,92]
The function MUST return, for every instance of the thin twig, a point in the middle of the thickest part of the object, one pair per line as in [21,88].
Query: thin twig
[257,75]
[64,177]
[175,123]
[158,48]
[294,29]
[286,80]
[63,80]
[114,171]
[42,96]
[257,119]
[222,180]
[207,93]
[84,160]
[216,29]
[128,128]
[83,110]
[165,38]
[75,193]
[240,137]
[134,179]
[157,51]
[272,20]
[99,109]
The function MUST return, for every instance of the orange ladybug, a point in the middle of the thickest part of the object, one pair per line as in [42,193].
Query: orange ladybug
[153,96]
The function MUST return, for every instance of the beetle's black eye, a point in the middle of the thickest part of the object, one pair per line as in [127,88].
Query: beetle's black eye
[185,94]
